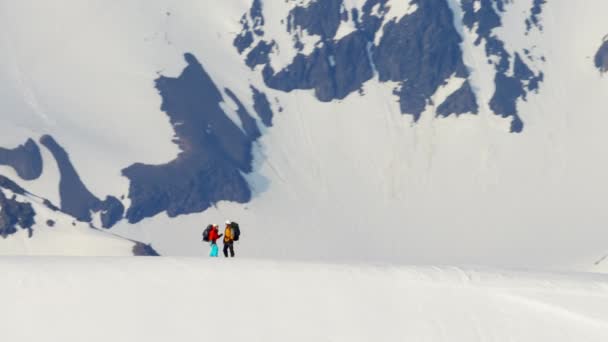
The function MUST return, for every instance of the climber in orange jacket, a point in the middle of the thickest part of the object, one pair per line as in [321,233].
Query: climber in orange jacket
[229,240]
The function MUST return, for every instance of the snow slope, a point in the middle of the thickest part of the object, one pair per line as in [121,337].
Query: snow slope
[161,299]
[57,234]
[345,180]
[355,179]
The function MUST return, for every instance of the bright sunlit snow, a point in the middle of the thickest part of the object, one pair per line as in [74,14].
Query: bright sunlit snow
[169,299]
[331,180]
[346,193]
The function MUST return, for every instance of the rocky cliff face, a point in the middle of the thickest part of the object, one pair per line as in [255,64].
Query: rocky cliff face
[419,50]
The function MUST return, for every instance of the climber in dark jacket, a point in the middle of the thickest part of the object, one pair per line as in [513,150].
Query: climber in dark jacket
[228,240]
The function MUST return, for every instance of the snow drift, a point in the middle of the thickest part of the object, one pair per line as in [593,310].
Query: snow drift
[171,299]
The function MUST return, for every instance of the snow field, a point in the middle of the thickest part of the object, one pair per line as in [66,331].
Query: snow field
[66,237]
[349,180]
[187,299]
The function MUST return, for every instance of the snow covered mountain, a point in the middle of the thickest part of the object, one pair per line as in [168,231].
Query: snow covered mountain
[422,131]
[56,233]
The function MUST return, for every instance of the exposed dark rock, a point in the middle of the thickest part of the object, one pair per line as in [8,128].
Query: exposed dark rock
[460,102]
[601,58]
[534,83]
[333,70]
[419,51]
[259,55]
[485,17]
[243,41]
[408,51]
[50,223]
[369,23]
[50,205]
[214,152]
[508,88]
[142,249]
[320,17]
[112,211]
[262,106]
[422,50]
[257,17]
[535,12]
[76,199]
[250,126]
[500,4]
[252,25]
[8,184]
[14,214]
[344,15]
[503,103]
[25,159]
[521,71]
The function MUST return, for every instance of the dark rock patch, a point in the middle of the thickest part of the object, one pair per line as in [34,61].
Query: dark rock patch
[50,223]
[257,17]
[422,51]
[50,205]
[333,70]
[509,89]
[25,159]
[76,199]
[535,13]
[244,40]
[369,23]
[260,54]
[521,70]
[252,25]
[112,211]
[250,126]
[15,214]
[460,102]
[486,18]
[503,103]
[601,58]
[8,184]
[262,106]
[321,17]
[142,249]
[214,152]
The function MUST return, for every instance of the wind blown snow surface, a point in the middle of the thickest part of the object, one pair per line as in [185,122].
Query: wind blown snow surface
[350,179]
[173,299]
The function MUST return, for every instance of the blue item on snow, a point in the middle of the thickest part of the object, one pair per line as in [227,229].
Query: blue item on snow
[214,250]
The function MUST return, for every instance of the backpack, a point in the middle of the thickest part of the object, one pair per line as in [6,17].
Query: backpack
[236,231]
[206,232]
